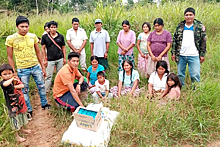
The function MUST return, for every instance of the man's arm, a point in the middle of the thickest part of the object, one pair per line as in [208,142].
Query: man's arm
[83,45]
[39,57]
[10,58]
[202,45]
[107,48]
[91,48]
[64,54]
[71,46]
[43,49]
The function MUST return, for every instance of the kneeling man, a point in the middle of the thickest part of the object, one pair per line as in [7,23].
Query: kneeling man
[65,92]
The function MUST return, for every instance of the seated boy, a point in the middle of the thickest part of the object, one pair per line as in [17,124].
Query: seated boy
[14,98]
[101,88]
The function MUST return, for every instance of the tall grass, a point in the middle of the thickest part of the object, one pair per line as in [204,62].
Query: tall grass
[193,120]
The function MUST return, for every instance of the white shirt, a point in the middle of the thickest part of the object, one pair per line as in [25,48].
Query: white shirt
[188,47]
[99,39]
[76,38]
[157,83]
[102,87]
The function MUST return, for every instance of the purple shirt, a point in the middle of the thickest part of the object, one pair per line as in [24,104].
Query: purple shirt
[159,42]
[126,40]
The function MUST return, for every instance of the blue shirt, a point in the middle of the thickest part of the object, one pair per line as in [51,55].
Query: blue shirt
[93,74]
[127,79]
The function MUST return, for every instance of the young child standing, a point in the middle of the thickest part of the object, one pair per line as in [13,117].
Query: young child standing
[173,87]
[14,98]
[142,48]
[101,88]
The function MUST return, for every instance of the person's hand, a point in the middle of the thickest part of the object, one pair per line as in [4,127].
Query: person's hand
[173,57]
[64,61]
[15,81]
[105,55]
[131,93]
[104,98]
[78,88]
[122,53]
[78,51]
[202,59]
[159,58]
[146,56]
[142,55]
[44,72]
[153,58]
[126,50]
[45,63]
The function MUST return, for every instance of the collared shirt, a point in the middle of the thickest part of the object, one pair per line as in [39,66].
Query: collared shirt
[23,48]
[77,38]
[65,76]
[99,39]
[102,87]
[157,82]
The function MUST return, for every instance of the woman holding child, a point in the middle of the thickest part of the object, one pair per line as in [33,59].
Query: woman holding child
[126,42]
[128,81]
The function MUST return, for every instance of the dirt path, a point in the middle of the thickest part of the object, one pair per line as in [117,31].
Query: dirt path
[44,133]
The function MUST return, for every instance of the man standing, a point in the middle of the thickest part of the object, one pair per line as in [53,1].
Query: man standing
[56,52]
[189,46]
[99,43]
[65,92]
[24,46]
[76,39]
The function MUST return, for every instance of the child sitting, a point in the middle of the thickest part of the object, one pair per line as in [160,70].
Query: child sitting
[157,80]
[173,87]
[101,88]
[14,100]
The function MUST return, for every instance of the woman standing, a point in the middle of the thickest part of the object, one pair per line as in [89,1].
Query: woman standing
[126,41]
[142,48]
[158,44]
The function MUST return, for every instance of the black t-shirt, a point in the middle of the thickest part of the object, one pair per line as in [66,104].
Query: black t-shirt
[14,98]
[53,52]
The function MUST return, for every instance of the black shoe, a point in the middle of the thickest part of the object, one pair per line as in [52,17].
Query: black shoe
[29,115]
[47,106]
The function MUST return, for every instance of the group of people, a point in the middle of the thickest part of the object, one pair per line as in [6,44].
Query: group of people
[188,47]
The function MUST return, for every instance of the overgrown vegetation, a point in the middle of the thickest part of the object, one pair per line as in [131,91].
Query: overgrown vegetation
[193,120]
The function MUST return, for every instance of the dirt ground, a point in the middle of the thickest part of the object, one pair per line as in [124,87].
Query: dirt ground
[44,133]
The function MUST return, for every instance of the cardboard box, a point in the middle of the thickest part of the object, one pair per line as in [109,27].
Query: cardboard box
[86,121]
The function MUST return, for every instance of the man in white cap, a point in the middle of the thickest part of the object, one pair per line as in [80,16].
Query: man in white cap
[99,43]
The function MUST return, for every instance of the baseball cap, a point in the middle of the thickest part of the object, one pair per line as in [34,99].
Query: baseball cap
[98,21]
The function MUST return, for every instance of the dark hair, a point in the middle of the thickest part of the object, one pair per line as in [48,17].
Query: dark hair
[6,67]
[52,23]
[126,22]
[148,25]
[21,19]
[176,80]
[73,54]
[75,20]
[190,9]
[131,64]
[101,73]
[46,25]
[158,21]
[162,64]
[94,58]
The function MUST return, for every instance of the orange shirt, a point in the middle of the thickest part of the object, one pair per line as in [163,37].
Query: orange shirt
[65,76]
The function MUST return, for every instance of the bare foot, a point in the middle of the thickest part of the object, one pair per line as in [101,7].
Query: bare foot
[20,139]
[26,131]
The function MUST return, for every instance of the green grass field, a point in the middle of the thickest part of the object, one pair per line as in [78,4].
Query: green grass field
[193,120]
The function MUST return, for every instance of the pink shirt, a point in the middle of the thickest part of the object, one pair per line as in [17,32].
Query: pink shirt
[126,40]
[174,92]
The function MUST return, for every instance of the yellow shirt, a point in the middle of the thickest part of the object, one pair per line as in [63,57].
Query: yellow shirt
[23,48]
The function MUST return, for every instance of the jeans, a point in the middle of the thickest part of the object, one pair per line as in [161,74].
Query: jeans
[50,69]
[36,72]
[193,66]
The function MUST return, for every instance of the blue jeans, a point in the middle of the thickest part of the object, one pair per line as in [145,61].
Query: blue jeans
[36,72]
[50,69]
[193,66]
